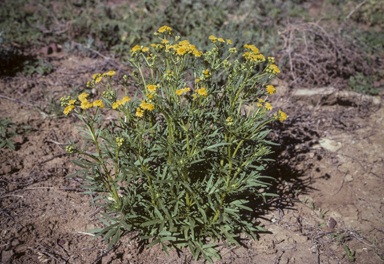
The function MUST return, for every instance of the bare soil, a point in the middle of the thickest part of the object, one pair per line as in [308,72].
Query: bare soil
[330,161]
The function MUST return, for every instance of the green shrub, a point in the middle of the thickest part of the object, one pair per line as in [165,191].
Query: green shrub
[178,166]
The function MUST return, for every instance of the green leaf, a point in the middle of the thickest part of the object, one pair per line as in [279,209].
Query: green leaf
[151,222]
[168,239]
[154,243]
[213,147]
[105,222]
[96,230]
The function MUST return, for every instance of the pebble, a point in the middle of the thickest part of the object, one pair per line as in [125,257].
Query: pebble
[6,256]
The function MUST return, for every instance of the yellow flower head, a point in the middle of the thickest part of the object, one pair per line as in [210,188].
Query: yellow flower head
[98,79]
[125,99]
[144,105]
[181,51]
[202,91]
[115,105]
[186,89]
[151,88]
[221,40]
[150,107]
[283,116]
[213,38]
[165,41]
[96,75]
[68,109]
[149,96]
[197,53]
[71,102]
[197,80]
[194,96]
[180,92]
[145,49]
[139,112]
[85,105]
[229,41]
[135,48]
[260,100]
[98,103]
[83,97]
[268,106]
[111,73]
[206,72]
[270,89]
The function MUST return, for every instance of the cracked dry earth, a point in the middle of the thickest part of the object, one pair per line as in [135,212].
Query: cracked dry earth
[329,176]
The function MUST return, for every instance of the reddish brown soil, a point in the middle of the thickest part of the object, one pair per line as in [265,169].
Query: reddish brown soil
[44,217]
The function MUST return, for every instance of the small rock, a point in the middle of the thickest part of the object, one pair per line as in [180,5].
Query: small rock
[311,155]
[21,248]
[53,47]
[348,178]
[15,242]
[329,144]
[61,242]
[6,256]
[300,239]
[334,161]
[331,223]
[46,50]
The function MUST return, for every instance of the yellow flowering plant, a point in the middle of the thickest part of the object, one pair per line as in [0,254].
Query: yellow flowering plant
[177,164]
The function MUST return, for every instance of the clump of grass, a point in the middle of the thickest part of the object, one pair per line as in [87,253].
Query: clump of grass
[363,84]
[7,132]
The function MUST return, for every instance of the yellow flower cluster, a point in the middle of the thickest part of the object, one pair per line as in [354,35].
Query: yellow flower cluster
[271,89]
[144,106]
[165,28]
[282,116]
[83,99]
[252,48]
[139,48]
[268,106]
[206,72]
[254,54]
[214,39]
[97,77]
[85,104]
[183,47]
[273,69]
[229,121]
[121,102]
[181,91]
[120,141]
